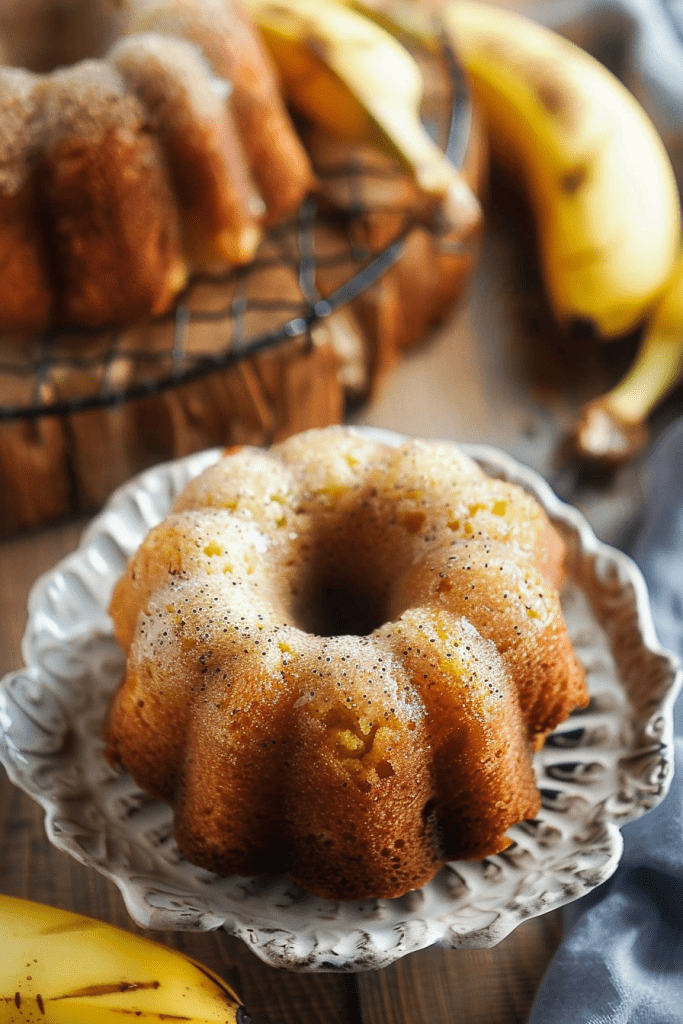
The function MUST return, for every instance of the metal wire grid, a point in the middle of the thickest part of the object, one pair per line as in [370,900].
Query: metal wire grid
[67,372]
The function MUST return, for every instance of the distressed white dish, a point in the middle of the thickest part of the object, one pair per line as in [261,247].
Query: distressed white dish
[604,767]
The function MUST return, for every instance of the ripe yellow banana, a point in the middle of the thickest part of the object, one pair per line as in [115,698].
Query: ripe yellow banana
[598,177]
[62,968]
[613,427]
[355,80]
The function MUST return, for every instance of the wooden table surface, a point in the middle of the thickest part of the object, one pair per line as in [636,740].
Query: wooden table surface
[499,372]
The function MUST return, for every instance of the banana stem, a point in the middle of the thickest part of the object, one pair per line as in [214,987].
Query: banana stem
[656,368]
[613,427]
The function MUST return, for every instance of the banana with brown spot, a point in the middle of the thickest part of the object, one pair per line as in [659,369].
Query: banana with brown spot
[63,968]
[597,175]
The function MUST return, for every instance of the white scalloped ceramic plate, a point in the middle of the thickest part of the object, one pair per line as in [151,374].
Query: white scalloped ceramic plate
[604,767]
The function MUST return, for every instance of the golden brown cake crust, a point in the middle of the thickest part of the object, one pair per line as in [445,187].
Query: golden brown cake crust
[25,285]
[339,658]
[116,179]
[218,204]
[115,255]
[224,33]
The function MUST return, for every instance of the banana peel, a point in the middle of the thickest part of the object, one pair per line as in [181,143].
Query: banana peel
[64,968]
[354,79]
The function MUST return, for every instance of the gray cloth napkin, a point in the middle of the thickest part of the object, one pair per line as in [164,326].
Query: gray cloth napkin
[621,961]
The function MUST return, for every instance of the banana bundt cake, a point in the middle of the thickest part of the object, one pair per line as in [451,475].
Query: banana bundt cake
[139,139]
[340,658]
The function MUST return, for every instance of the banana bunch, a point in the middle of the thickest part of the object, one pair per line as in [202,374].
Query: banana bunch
[59,967]
[597,175]
[351,77]
[604,198]
[613,427]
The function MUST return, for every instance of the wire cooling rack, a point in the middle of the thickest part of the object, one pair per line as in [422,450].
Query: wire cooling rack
[227,316]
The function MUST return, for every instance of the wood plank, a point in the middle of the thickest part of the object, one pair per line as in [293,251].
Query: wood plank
[463,986]
[23,559]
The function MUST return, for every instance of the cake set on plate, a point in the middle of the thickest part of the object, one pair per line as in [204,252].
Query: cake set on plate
[336,665]
[340,658]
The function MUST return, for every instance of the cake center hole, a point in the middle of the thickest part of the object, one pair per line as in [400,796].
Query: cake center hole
[341,611]
[339,600]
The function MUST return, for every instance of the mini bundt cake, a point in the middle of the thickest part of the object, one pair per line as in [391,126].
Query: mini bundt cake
[139,139]
[340,657]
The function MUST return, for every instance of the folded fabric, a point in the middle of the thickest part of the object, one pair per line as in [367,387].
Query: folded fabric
[621,961]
